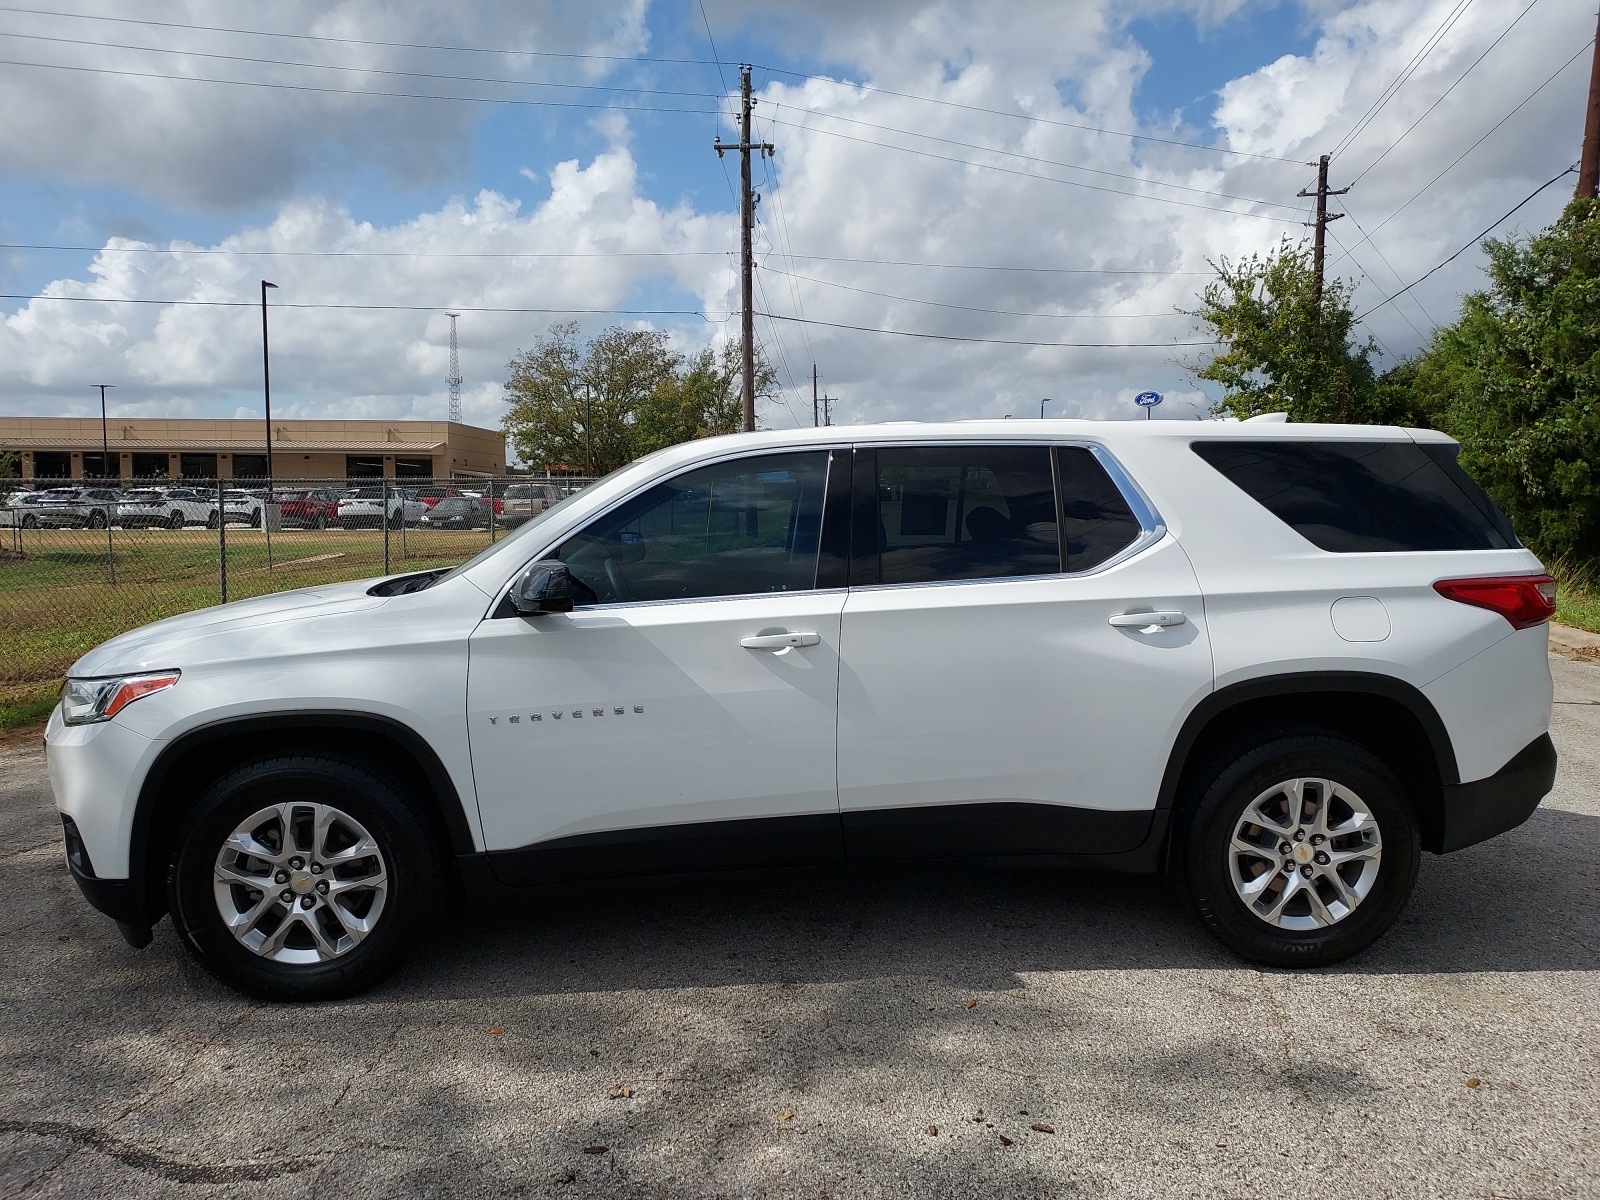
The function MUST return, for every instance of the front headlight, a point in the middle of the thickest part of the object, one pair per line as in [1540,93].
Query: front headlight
[85,701]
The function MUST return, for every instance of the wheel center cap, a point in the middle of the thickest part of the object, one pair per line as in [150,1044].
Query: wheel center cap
[1302,854]
[302,882]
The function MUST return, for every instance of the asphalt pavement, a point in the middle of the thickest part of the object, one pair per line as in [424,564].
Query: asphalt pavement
[942,1033]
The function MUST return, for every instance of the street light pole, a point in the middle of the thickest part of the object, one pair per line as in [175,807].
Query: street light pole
[105,455]
[1042,403]
[105,440]
[266,381]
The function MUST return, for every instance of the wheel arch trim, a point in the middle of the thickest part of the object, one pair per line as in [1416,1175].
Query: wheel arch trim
[1300,684]
[446,796]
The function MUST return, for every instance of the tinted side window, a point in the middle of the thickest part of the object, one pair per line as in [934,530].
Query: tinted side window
[1096,519]
[1350,497]
[730,529]
[965,512]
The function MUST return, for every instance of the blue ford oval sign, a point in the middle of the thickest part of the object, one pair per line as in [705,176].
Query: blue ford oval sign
[1147,399]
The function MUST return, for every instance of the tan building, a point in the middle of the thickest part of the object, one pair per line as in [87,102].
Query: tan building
[70,448]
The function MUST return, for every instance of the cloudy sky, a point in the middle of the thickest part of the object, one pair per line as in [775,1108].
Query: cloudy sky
[972,206]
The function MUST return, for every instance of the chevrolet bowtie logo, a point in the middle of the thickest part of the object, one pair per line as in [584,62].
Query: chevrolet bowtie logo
[577,714]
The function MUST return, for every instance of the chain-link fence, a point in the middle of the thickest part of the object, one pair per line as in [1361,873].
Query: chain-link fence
[84,561]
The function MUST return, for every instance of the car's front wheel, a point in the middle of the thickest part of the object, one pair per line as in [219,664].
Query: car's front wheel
[97,520]
[1301,851]
[175,521]
[213,520]
[304,877]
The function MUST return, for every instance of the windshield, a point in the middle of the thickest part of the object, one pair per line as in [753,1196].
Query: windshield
[452,507]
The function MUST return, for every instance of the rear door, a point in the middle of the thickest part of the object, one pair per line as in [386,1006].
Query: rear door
[987,703]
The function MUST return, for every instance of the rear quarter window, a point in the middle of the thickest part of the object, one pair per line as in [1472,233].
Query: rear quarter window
[1355,497]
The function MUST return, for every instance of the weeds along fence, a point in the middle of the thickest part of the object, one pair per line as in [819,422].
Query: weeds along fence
[83,563]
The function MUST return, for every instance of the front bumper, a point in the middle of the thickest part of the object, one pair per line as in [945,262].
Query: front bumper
[123,900]
[1484,808]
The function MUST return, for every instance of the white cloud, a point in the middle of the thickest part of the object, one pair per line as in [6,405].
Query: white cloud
[856,199]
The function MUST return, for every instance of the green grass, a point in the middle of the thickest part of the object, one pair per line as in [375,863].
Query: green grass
[58,600]
[1577,595]
[15,714]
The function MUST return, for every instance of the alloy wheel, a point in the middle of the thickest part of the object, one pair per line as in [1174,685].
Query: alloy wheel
[300,883]
[1305,853]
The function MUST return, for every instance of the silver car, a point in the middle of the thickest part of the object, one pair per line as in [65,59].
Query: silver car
[20,510]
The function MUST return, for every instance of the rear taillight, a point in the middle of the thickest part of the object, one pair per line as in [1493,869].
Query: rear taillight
[1524,600]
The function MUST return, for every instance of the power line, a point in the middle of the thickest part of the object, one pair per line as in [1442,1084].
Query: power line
[950,337]
[338,91]
[1051,162]
[1415,195]
[1442,98]
[428,308]
[312,66]
[1077,183]
[1469,245]
[999,312]
[890,262]
[1406,72]
[715,60]
[998,112]
[373,253]
[309,37]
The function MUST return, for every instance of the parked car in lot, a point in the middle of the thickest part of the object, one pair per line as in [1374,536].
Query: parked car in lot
[523,501]
[21,509]
[1274,662]
[316,508]
[172,507]
[368,507]
[242,507]
[84,507]
[431,494]
[456,512]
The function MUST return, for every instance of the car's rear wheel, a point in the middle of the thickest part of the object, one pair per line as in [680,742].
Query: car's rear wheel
[304,877]
[1301,851]
[396,519]
[175,521]
[29,521]
[96,520]
[320,521]
[255,519]
[213,520]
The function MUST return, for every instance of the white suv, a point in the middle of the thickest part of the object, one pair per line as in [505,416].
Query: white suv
[1274,661]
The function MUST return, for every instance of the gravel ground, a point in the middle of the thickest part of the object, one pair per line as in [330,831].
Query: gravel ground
[962,1033]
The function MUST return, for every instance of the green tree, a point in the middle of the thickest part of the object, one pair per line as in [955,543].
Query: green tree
[1282,353]
[10,464]
[601,405]
[1516,380]
[578,406]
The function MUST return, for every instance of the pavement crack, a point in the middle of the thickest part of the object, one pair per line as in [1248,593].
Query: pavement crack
[149,1161]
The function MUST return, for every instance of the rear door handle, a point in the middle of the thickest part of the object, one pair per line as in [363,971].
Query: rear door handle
[1148,622]
[779,641]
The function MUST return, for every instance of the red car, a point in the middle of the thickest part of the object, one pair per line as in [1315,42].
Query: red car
[315,509]
[437,492]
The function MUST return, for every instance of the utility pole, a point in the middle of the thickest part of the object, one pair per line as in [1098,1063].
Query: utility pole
[266,386]
[747,217]
[1321,223]
[455,372]
[105,469]
[822,400]
[1589,164]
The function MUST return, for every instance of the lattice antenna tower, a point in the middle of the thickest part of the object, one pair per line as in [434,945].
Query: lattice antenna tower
[455,371]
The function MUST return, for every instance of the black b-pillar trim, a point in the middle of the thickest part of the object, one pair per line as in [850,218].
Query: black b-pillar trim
[865,567]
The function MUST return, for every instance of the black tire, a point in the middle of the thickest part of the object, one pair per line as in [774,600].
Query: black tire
[213,520]
[255,519]
[29,521]
[398,822]
[397,519]
[1208,863]
[96,520]
[175,521]
[320,521]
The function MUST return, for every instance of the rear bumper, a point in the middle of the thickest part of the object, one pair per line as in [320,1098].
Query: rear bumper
[1476,811]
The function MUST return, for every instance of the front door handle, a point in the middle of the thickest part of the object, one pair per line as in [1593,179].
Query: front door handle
[1148,622]
[779,641]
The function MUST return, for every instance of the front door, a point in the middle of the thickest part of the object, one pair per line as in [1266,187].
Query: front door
[683,715]
[987,704]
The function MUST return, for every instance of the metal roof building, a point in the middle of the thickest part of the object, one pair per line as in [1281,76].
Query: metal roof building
[141,448]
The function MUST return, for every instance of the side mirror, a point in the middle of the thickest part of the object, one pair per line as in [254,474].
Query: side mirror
[545,587]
